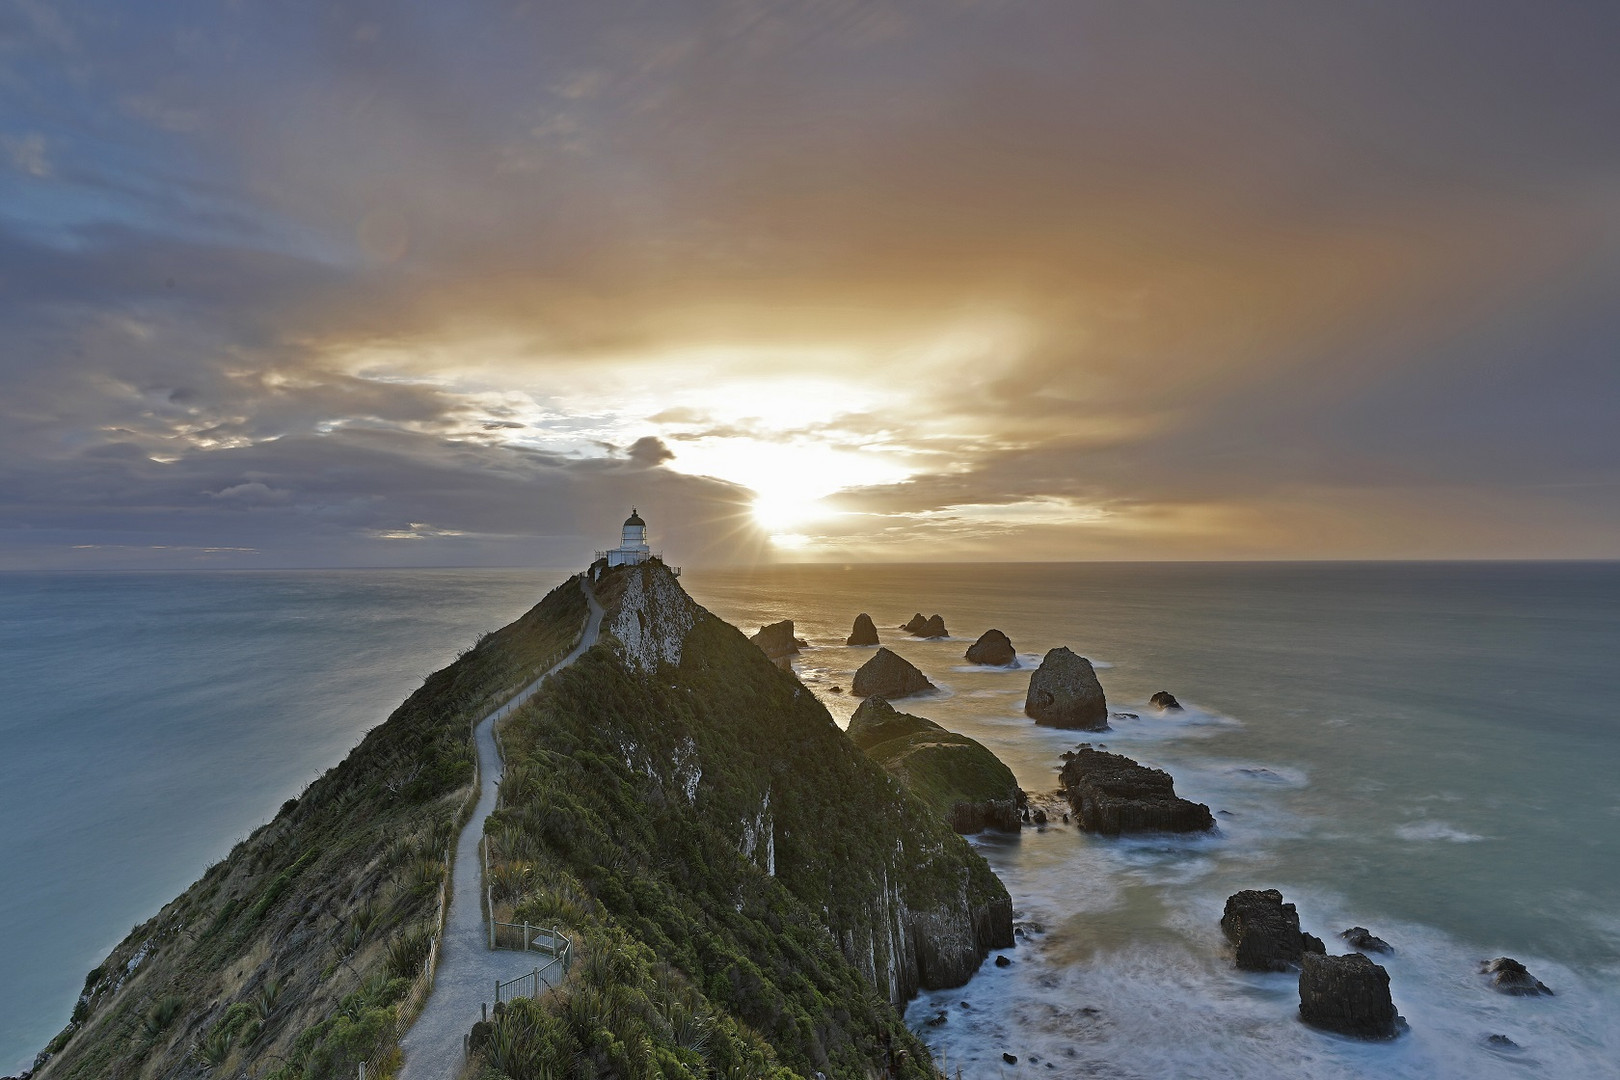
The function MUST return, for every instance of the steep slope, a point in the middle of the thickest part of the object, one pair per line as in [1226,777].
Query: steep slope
[295,954]
[958,777]
[725,855]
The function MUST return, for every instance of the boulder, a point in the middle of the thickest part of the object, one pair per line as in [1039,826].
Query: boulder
[1362,939]
[1508,976]
[1064,692]
[1347,994]
[957,777]
[1003,961]
[1112,794]
[777,641]
[864,631]
[1165,701]
[993,649]
[1266,931]
[931,627]
[890,675]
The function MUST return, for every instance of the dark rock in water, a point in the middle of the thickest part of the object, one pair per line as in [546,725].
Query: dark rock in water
[835,690]
[937,1019]
[1011,1059]
[1064,692]
[1361,938]
[890,675]
[1125,716]
[993,649]
[777,641]
[1508,976]
[1500,1042]
[1003,961]
[1266,931]
[864,631]
[1112,794]
[932,627]
[1039,816]
[1165,701]
[1347,994]
[914,624]
[957,777]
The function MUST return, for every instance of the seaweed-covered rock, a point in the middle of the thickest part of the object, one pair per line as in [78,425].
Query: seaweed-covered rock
[956,776]
[1064,692]
[1363,940]
[1112,794]
[1165,701]
[864,631]
[1266,931]
[1347,994]
[993,649]
[777,640]
[890,675]
[1508,976]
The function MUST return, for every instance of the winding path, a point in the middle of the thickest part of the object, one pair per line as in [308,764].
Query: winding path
[468,968]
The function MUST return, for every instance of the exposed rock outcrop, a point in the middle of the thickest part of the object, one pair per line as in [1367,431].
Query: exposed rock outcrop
[777,640]
[931,627]
[1112,794]
[1064,692]
[1363,940]
[1508,976]
[993,649]
[889,675]
[914,624]
[1266,931]
[864,631]
[958,777]
[1347,994]
[1165,701]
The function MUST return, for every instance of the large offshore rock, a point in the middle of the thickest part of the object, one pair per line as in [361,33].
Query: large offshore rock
[1165,701]
[1266,931]
[993,649]
[777,640]
[1064,692]
[864,631]
[1112,794]
[890,675]
[1347,994]
[1508,976]
[959,778]
[914,624]
[931,627]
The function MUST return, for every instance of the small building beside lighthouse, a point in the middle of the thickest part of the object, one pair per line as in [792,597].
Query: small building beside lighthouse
[632,547]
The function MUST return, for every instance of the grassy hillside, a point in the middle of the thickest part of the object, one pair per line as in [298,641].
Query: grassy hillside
[293,956]
[749,890]
[958,777]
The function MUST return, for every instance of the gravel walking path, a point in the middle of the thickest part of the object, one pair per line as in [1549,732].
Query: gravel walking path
[468,968]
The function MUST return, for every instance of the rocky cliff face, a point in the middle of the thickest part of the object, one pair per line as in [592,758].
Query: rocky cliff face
[790,836]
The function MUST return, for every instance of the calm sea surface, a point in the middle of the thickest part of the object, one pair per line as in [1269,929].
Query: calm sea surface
[1431,751]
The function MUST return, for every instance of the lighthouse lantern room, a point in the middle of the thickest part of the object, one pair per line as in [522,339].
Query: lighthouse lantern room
[632,547]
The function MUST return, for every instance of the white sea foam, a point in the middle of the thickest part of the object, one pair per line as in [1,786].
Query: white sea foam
[1418,831]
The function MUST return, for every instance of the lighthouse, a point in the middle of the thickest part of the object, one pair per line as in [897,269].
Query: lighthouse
[632,547]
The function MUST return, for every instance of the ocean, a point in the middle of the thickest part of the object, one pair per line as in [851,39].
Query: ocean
[1427,750]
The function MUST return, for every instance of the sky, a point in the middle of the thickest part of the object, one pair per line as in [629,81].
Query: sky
[396,284]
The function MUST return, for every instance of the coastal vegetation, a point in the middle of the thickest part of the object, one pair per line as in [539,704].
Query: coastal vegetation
[293,955]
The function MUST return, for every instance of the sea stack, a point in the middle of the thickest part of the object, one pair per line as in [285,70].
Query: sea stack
[931,627]
[993,649]
[889,675]
[777,641]
[1347,994]
[1064,692]
[1266,931]
[1112,794]
[864,632]
[1165,701]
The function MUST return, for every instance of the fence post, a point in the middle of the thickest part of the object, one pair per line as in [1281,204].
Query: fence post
[497,991]
[525,935]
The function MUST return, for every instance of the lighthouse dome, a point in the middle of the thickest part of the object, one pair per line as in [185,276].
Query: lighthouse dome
[634,519]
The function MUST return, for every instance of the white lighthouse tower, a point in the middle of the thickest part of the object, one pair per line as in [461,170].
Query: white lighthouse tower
[632,547]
